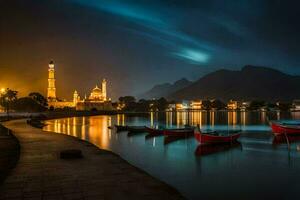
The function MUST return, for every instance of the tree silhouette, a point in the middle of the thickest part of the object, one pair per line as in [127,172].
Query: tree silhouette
[40,99]
[7,98]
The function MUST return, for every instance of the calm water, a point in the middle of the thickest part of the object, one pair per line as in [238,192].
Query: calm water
[256,168]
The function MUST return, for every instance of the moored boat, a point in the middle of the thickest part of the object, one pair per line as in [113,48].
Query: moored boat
[285,128]
[216,137]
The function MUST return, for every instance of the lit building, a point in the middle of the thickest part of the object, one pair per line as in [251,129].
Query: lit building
[196,105]
[232,105]
[171,107]
[186,105]
[245,105]
[98,94]
[51,92]
[179,106]
[97,99]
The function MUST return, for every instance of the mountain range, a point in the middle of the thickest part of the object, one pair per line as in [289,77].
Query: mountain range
[250,83]
[166,89]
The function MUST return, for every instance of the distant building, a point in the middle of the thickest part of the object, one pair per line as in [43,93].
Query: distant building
[171,107]
[232,105]
[245,105]
[176,106]
[196,105]
[97,99]
[186,105]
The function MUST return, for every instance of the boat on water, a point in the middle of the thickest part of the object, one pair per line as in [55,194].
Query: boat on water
[285,128]
[217,137]
[183,132]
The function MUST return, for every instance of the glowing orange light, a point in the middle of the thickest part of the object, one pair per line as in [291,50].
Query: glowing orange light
[2,90]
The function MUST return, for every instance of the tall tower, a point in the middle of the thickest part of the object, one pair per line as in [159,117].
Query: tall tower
[51,93]
[76,98]
[104,89]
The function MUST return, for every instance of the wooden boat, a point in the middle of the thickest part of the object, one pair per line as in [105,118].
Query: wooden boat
[285,128]
[206,149]
[184,132]
[217,137]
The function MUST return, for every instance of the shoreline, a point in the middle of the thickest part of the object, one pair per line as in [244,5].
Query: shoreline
[40,166]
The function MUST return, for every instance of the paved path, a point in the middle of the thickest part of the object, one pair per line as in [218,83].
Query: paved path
[41,174]
[9,152]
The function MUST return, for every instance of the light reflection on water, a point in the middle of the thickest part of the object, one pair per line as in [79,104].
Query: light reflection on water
[254,169]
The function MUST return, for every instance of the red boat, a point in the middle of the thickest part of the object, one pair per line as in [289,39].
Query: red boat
[154,131]
[284,128]
[215,137]
[184,132]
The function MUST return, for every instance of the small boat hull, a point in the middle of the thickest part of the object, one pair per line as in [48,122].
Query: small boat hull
[285,129]
[203,138]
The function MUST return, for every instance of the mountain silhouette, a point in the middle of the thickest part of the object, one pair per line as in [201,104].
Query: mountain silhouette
[250,83]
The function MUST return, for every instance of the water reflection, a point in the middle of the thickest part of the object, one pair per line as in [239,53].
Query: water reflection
[208,149]
[205,118]
[168,140]
[249,165]
[93,129]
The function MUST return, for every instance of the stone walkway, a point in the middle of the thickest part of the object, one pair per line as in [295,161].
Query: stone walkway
[41,174]
[9,152]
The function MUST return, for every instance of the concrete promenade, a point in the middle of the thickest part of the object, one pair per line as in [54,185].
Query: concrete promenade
[41,174]
[9,152]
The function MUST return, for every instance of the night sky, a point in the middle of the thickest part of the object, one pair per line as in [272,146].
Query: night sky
[136,44]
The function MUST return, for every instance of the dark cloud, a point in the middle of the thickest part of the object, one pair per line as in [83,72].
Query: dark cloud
[135,44]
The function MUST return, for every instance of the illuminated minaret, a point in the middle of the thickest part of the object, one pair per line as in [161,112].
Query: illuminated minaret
[51,93]
[104,89]
[76,98]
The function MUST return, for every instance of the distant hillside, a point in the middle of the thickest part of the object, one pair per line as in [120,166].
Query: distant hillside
[164,90]
[251,83]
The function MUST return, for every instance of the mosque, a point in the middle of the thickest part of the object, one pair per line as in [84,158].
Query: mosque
[97,100]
